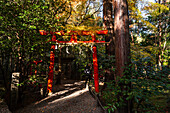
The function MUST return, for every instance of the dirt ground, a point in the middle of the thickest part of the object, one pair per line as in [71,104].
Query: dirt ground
[70,97]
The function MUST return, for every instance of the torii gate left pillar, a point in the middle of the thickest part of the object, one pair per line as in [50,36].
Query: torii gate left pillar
[51,67]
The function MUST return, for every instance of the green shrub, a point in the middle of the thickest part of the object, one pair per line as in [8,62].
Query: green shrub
[140,83]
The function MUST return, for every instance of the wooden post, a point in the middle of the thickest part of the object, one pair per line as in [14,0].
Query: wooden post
[51,67]
[95,66]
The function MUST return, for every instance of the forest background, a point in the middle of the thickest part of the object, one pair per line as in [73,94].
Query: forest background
[145,72]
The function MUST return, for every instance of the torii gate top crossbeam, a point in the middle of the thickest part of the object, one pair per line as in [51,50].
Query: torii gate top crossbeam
[85,33]
[74,34]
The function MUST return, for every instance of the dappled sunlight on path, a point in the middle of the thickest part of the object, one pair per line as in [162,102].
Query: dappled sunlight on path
[75,94]
[78,102]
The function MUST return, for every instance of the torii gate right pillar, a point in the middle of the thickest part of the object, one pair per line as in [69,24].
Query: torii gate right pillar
[95,67]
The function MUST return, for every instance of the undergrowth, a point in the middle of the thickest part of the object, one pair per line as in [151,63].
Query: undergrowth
[145,86]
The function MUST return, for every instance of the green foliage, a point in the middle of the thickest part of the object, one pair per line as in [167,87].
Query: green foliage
[34,80]
[153,8]
[140,82]
[83,54]
[144,52]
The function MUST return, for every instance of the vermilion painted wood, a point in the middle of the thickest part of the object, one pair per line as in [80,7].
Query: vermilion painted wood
[95,67]
[73,35]
[51,67]
[36,62]
[62,33]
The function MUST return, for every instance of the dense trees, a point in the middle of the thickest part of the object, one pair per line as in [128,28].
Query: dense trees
[20,41]
[144,27]
[146,54]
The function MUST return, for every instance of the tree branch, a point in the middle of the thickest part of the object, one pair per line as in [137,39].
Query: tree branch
[89,16]
[69,14]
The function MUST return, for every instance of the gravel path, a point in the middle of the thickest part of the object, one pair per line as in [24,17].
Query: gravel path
[78,102]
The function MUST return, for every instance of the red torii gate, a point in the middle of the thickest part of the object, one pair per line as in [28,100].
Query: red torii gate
[35,62]
[73,35]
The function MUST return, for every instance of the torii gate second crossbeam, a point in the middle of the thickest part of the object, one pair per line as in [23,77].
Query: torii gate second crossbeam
[73,40]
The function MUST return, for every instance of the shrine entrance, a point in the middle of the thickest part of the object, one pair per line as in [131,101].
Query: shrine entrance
[74,40]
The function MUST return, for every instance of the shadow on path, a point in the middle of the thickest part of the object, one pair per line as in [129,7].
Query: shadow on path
[71,98]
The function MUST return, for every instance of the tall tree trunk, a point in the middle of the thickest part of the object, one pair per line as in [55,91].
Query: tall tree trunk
[121,30]
[160,39]
[108,24]
[122,44]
